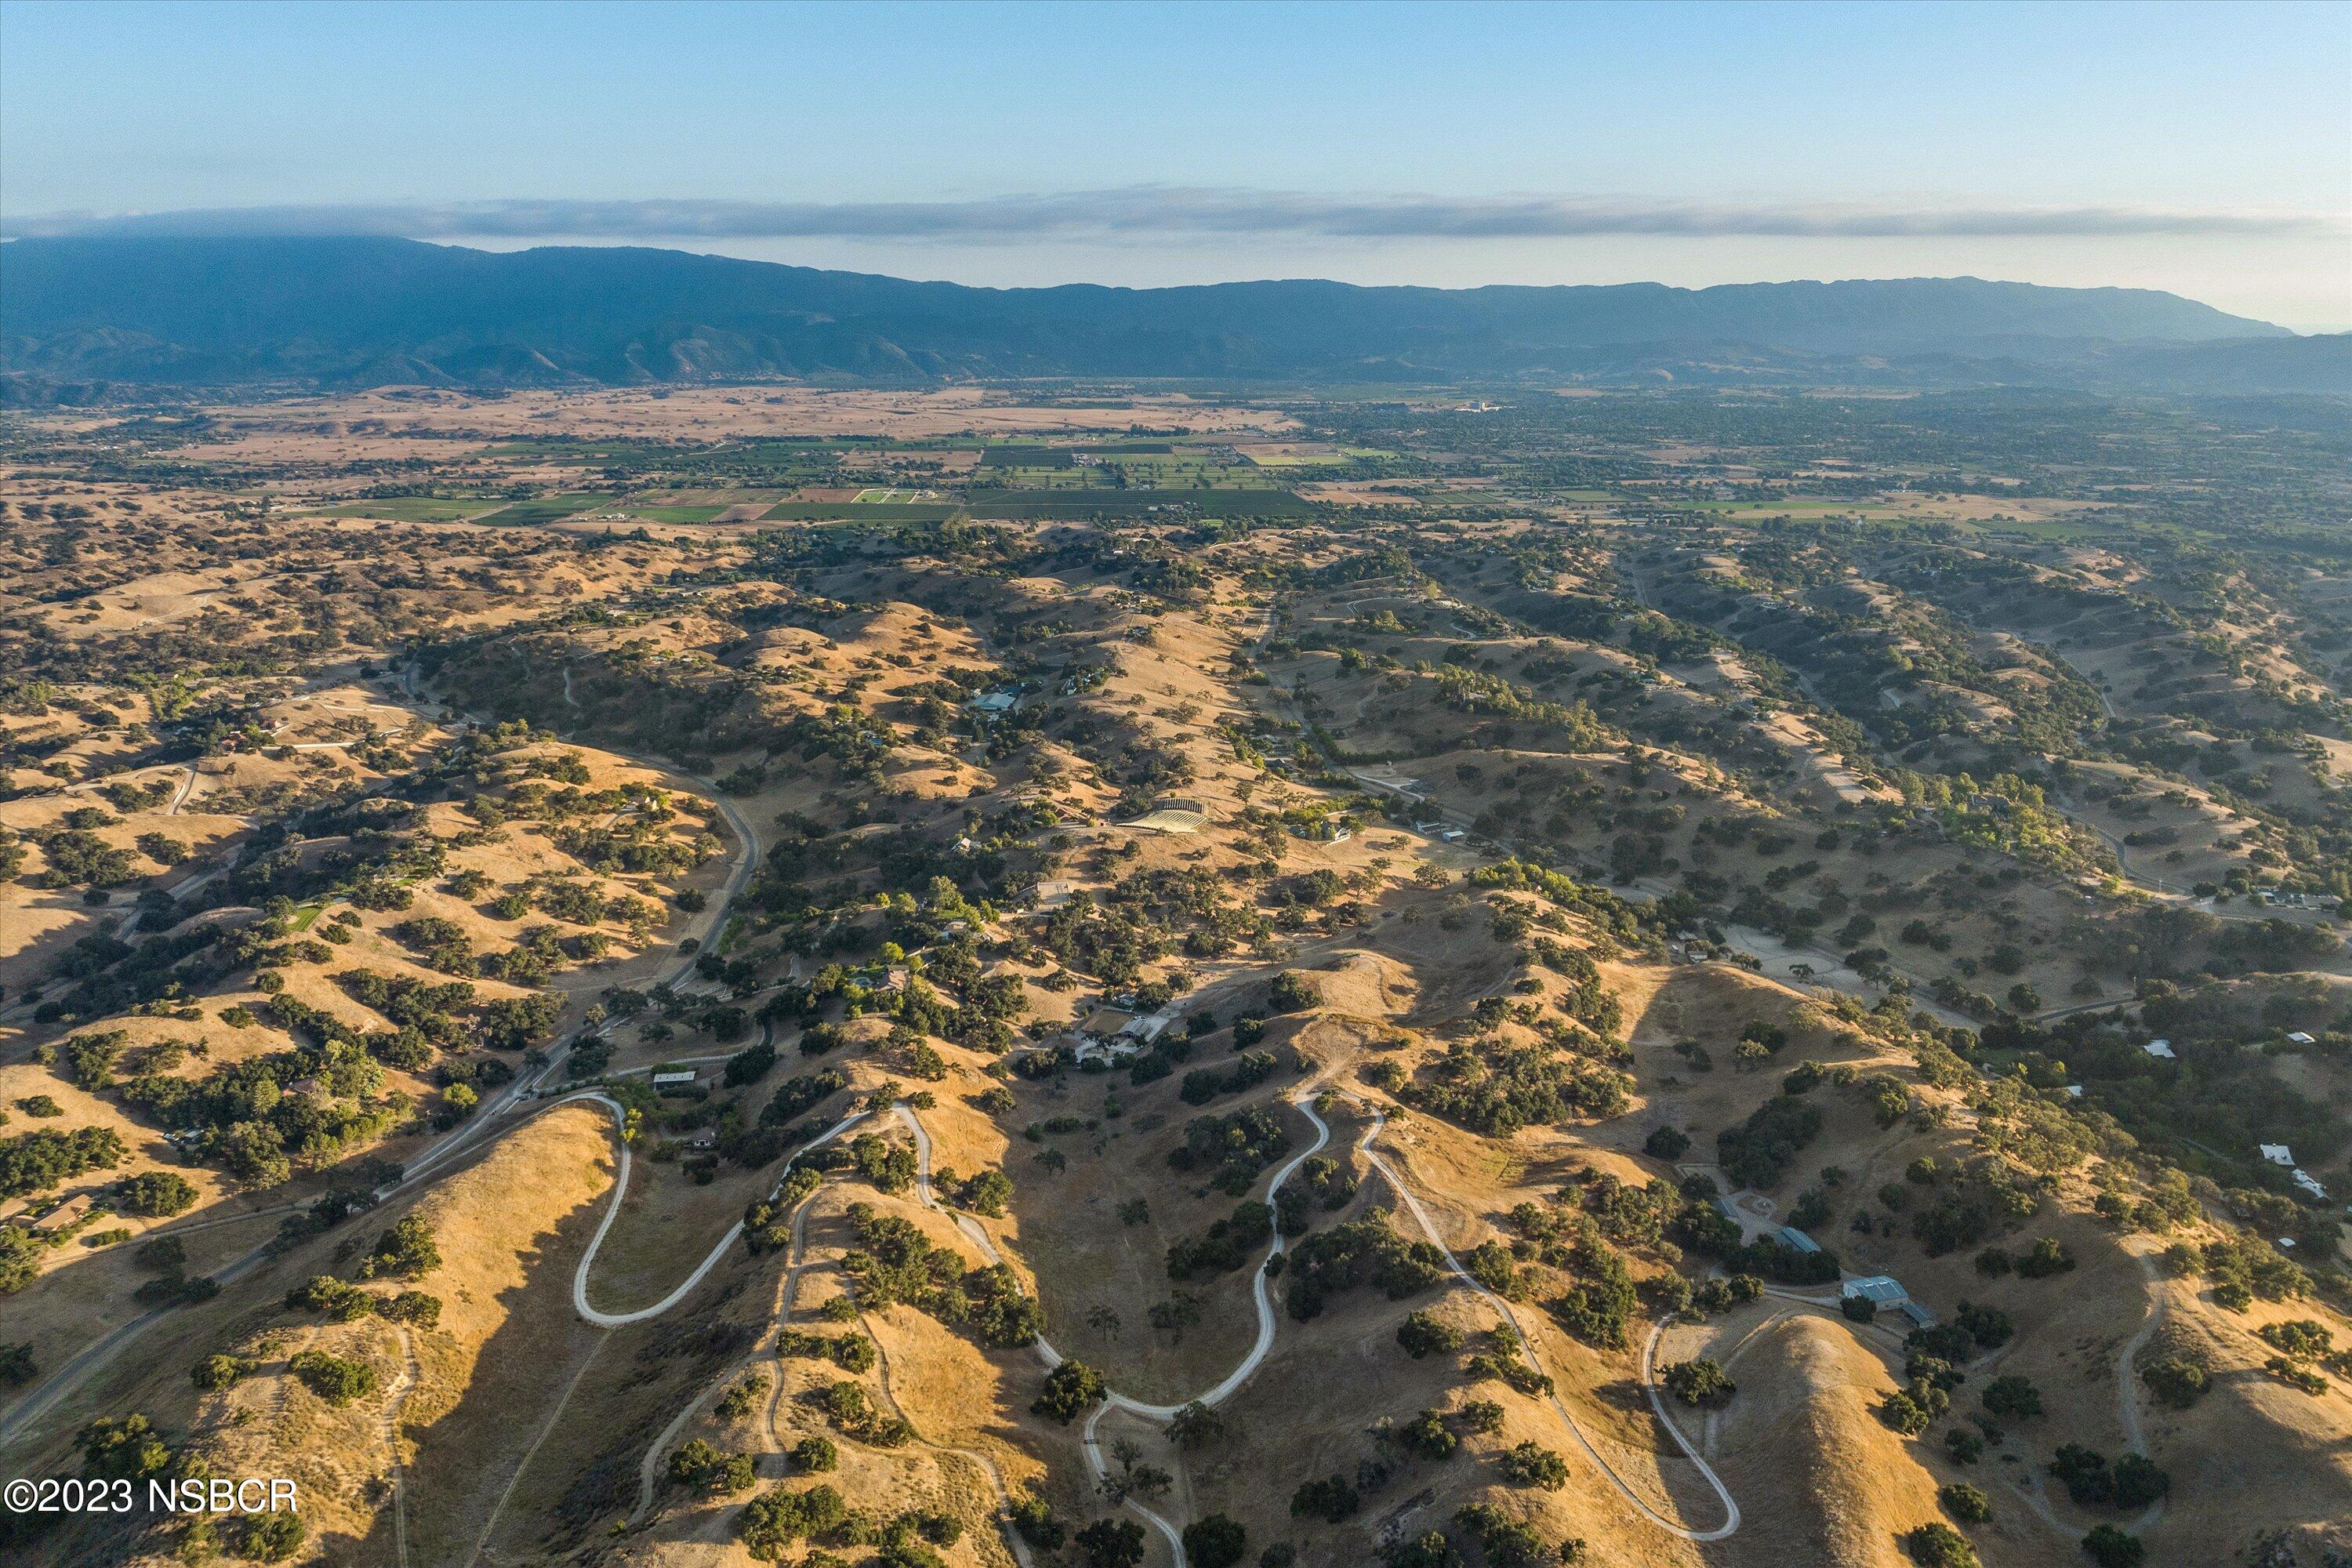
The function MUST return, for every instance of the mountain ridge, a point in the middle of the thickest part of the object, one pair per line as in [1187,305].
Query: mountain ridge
[221,312]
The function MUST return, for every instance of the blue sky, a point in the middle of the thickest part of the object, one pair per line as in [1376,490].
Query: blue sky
[2203,149]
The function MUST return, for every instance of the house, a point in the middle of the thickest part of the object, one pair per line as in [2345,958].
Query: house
[1878,1289]
[2278,1154]
[2160,1049]
[2310,1184]
[1730,1211]
[675,1078]
[990,704]
[2299,1039]
[1104,1023]
[1791,1236]
[1920,1317]
[2073,1091]
[1143,1031]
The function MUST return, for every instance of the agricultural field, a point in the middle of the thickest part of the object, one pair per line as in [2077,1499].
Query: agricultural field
[1687,980]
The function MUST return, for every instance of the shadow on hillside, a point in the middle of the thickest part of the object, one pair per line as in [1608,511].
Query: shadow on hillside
[463,1458]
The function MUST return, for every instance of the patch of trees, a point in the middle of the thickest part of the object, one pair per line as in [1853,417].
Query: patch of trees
[705,1468]
[769,1525]
[801,1093]
[1232,1149]
[43,1158]
[1502,1089]
[1228,1244]
[1597,1308]
[1758,1149]
[2130,1481]
[1362,1252]
[1247,1071]
[893,1261]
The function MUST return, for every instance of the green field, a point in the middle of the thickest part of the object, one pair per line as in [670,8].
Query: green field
[675,513]
[416,509]
[544,509]
[852,512]
[1071,503]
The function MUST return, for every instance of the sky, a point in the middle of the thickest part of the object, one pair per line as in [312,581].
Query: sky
[2202,149]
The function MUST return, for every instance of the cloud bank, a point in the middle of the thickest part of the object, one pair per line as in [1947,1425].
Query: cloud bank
[1167,212]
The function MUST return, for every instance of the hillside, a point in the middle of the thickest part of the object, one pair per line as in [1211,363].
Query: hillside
[946,979]
[364,312]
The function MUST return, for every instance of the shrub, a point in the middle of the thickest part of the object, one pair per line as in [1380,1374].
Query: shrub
[1213,1541]
[1423,1333]
[1964,1502]
[815,1454]
[1700,1381]
[1071,1390]
[1112,1544]
[1330,1499]
[741,1399]
[1508,1542]
[2176,1380]
[406,1251]
[155,1195]
[2014,1397]
[1904,1412]
[1427,1436]
[2295,1375]
[1292,992]
[217,1372]
[1532,1464]
[1033,1516]
[769,1525]
[331,1377]
[2111,1548]
[2048,1256]
[267,1537]
[1938,1545]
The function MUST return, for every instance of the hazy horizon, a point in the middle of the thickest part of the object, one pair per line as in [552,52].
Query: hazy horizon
[2198,149]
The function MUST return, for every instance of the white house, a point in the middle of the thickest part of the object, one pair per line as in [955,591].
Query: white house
[2160,1049]
[2300,1039]
[2310,1184]
[2278,1155]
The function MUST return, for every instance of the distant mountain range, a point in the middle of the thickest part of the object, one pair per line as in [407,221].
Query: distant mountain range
[82,316]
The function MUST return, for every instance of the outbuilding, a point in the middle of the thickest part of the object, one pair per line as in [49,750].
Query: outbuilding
[1879,1290]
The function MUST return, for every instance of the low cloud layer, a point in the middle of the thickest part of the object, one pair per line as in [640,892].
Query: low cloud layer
[1176,212]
